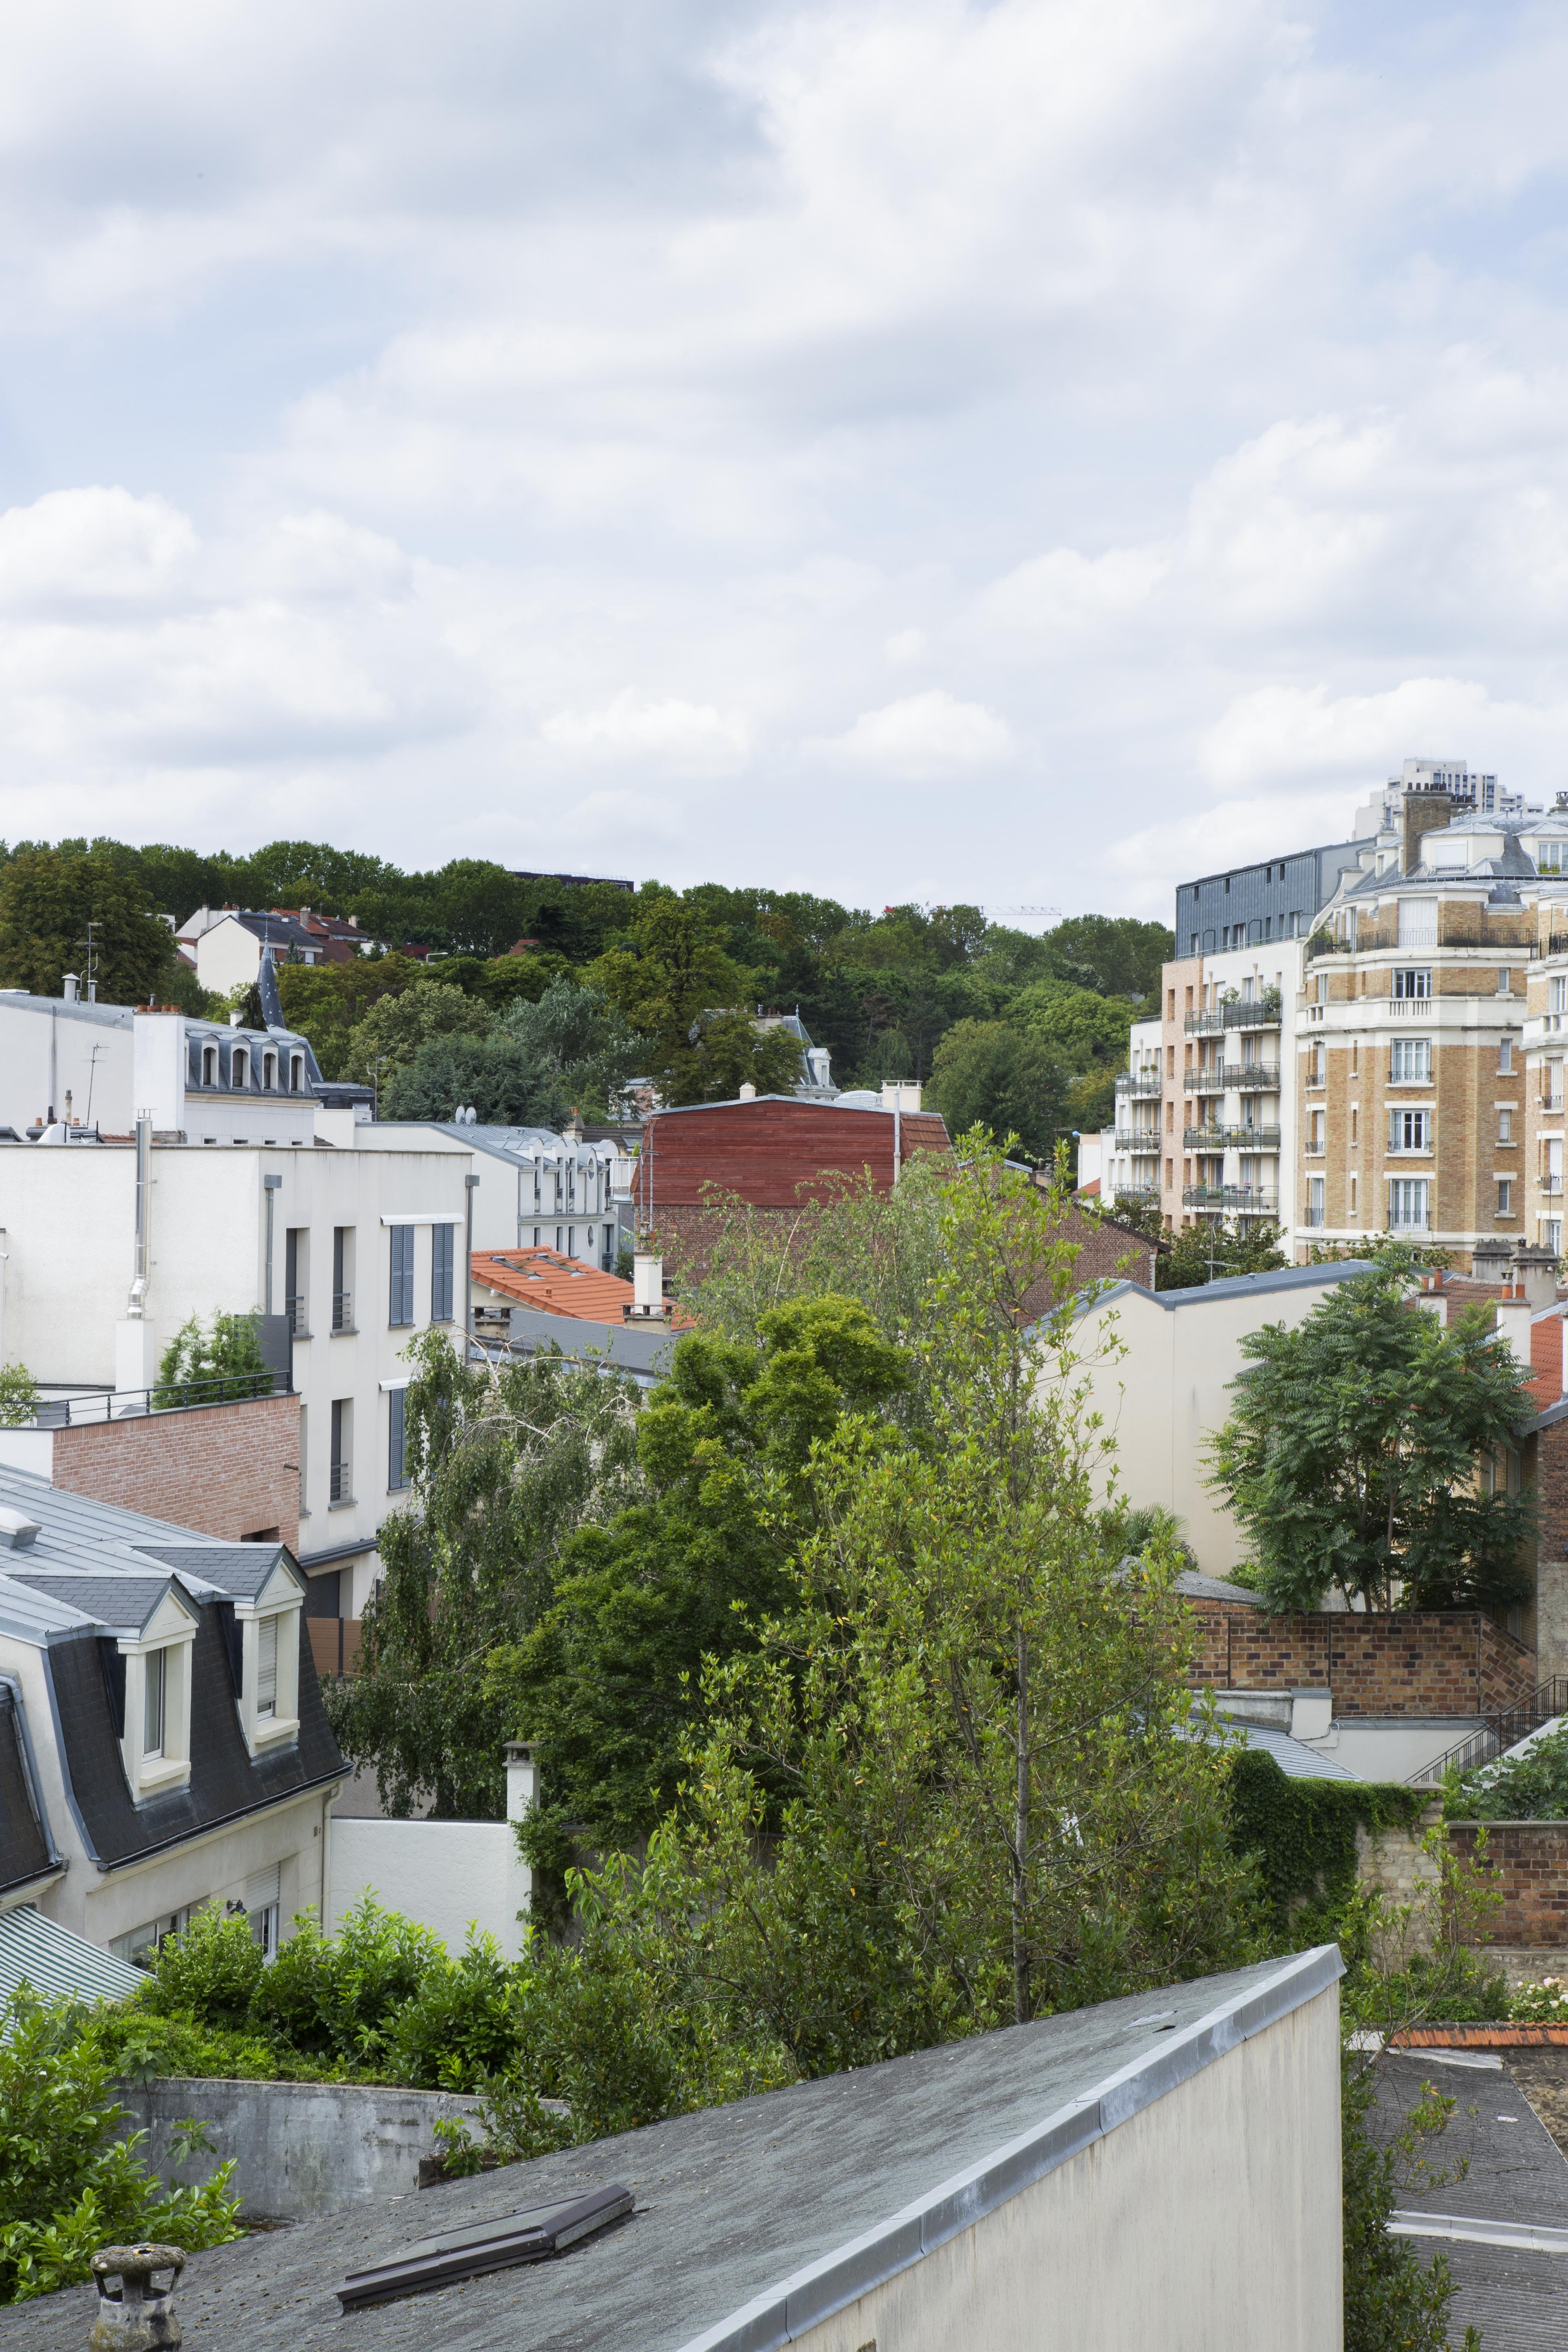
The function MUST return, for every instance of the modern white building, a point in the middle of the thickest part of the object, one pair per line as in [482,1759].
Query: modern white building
[1129,1151]
[536,1190]
[227,943]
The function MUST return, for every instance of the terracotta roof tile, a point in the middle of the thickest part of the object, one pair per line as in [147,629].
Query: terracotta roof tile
[553,1284]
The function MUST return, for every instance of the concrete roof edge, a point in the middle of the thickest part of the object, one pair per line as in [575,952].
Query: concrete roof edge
[1229,1286]
[838,2279]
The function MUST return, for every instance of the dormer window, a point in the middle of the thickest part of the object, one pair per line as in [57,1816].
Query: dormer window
[154,1695]
[266,1669]
[296,1073]
[209,1065]
[239,1067]
[270,1072]
[156,1731]
[270,1658]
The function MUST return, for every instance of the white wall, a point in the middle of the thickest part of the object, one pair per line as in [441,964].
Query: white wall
[227,956]
[445,1875]
[1166,1392]
[50,1049]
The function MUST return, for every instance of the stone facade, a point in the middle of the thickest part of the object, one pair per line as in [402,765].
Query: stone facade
[228,1470]
[1408,1662]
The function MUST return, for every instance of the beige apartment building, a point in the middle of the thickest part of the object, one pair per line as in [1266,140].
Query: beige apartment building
[1545,1042]
[1411,1080]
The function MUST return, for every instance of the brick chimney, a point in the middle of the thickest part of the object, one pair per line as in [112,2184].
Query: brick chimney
[1419,813]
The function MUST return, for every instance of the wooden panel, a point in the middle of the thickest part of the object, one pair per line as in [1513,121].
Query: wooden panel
[765,1151]
[334,1645]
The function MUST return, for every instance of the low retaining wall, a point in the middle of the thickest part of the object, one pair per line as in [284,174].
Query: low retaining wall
[1424,1661]
[299,2148]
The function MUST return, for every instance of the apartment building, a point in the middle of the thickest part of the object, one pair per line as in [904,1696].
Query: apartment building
[1545,1040]
[1129,1151]
[1410,1054]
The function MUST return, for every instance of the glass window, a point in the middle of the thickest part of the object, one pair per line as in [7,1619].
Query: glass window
[154,1686]
[1410,1130]
[1505,1058]
[441,1250]
[266,1666]
[400,1309]
[1504,1197]
[1314,1199]
[396,1437]
[1407,1199]
[1410,1062]
[1557,995]
[1407,984]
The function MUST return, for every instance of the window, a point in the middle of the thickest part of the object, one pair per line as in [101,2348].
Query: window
[1355,1125]
[341,1479]
[209,1065]
[296,1259]
[154,1688]
[260,1905]
[240,1068]
[1505,1058]
[1418,923]
[1504,1196]
[342,1278]
[400,1304]
[1505,1127]
[1552,1165]
[396,1441]
[1408,983]
[1552,1234]
[1353,1201]
[442,1239]
[1410,1130]
[1315,1131]
[1317,1066]
[1314,1199]
[1502,979]
[1410,1062]
[267,1667]
[1408,1200]
[270,1072]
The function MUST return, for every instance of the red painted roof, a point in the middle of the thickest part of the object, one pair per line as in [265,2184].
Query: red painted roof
[764,1151]
[555,1285]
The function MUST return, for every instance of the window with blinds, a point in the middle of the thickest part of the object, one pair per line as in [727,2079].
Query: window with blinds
[396,1441]
[154,1688]
[442,1239]
[401,1307]
[267,1667]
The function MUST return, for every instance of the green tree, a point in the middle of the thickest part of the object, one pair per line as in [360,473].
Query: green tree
[504,1463]
[68,2184]
[1115,955]
[986,1074]
[680,988]
[394,1028]
[1082,1031]
[203,1367]
[610,1681]
[573,1031]
[48,897]
[1364,1449]
[494,1076]
[1210,1252]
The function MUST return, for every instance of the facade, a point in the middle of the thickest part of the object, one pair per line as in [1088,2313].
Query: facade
[167,1746]
[225,943]
[534,1189]
[1261,904]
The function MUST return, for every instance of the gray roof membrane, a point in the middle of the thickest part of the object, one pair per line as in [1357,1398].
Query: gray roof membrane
[84,1551]
[121,1604]
[1230,1285]
[753,2220]
[238,1570]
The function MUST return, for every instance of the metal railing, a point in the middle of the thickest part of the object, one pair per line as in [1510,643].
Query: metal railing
[341,1483]
[342,1302]
[1497,1733]
[1139,1195]
[1549,1185]
[1246,1200]
[1222,1077]
[164,1396]
[1138,1082]
[1263,1012]
[1231,1139]
[1144,1140]
[1548,1103]
[294,1308]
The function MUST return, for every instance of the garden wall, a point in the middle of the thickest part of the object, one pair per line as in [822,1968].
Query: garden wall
[1405,1662]
[1526,1863]
[299,2148]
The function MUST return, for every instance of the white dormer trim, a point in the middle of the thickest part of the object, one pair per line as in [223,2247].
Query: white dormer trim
[279,1602]
[170,1633]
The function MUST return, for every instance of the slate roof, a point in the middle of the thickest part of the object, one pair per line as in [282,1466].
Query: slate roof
[752,2220]
[1232,1286]
[239,1569]
[26,1849]
[1195,1587]
[1295,1758]
[122,1604]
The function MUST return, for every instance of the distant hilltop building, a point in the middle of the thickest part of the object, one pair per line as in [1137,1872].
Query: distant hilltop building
[1471,794]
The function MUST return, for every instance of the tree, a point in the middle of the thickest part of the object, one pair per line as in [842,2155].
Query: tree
[494,1076]
[574,1032]
[677,985]
[1210,1251]
[976,1716]
[504,1463]
[396,1027]
[1113,955]
[48,897]
[206,1367]
[1367,1451]
[986,1074]
[610,1679]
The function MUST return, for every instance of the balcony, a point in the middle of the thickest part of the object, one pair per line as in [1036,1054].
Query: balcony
[1550,1186]
[1221,1077]
[1244,1200]
[1137,1196]
[1138,1082]
[1551,1105]
[1231,1139]
[1143,1140]
[75,1411]
[1262,1012]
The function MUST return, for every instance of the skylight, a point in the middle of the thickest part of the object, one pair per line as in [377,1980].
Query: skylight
[531,2234]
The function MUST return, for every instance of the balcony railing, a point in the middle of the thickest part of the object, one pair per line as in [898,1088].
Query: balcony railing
[1137,1195]
[294,1307]
[1220,1077]
[1231,1139]
[1144,1140]
[342,1483]
[1550,1103]
[1246,1200]
[1549,1185]
[1137,1082]
[167,1396]
[343,1320]
[1262,1012]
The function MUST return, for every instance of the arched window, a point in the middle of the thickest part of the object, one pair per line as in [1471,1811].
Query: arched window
[270,1072]
[209,1065]
[239,1067]
[296,1071]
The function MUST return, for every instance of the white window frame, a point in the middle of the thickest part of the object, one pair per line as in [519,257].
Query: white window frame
[1408,1193]
[278,1603]
[239,1070]
[1405,1050]
[170,1633]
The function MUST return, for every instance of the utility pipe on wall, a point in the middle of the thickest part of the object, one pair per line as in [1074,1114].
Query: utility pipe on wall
[136,1306]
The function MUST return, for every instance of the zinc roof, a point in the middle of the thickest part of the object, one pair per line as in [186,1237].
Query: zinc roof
[54,1961]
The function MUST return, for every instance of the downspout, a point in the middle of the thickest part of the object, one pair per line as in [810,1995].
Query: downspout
[271,1185]
[136,1305]
[469,1184]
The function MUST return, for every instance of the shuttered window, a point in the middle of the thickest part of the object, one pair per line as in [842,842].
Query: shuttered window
[401,1309]
[266,1666]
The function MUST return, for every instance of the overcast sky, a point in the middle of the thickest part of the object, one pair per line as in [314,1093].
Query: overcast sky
[1026,453]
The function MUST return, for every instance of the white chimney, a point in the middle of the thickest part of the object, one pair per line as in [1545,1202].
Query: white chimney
[748,1092]
[70,988]
[901,1094]
[647,1289]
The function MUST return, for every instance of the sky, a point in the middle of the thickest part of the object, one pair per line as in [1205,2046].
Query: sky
[1026,453]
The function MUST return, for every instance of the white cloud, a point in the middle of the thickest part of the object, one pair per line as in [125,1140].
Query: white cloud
[681,734]
[923,737]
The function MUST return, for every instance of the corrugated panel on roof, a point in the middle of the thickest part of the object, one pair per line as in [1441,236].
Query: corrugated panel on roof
[55,1963]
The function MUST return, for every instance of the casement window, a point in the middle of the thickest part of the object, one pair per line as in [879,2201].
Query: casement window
[296,1073]
[1410,1062]
[1552,1234]
[209,1065]
[342,1278]
[396,1441]
[1505,1058]
[266,1668]
[400,1304]
[1549,857]
[1505,1127]
[154,1698]
[1552,1165]
[1557,995]
[1410,984]
[240,1068]
[1408,1200]
[1505,1196]
[1410,1130]
[340,1470]
[442,1251]
[268,1073]
[1316,1131]
[1314,1199]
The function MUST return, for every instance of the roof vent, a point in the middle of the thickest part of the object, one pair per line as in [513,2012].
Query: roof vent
[16,1529]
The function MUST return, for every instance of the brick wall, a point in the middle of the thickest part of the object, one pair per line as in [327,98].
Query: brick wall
[1526,1863]
[1409,1662]
[226,1470]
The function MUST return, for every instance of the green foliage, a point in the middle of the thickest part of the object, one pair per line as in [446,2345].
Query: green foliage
[985,1073]
[1211,1252]
[204,1367]
[68,2184]
[1529,1788]
[1393,2303]
[396,1027]
[212,1969]
[504,1463]
[1302,1835]
[48,896]
[18,1396]
[1544,2002]
[677,984]
[574,1032]
[1112,955]
[494,1076]
[1351,1456]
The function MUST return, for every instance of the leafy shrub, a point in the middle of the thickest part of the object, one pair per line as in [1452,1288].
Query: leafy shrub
[1530,1788]
[462,2025]
[1543,2003]
[335,1996]
[222,1362]
[18,1396]
[68,2185]
[212,1969]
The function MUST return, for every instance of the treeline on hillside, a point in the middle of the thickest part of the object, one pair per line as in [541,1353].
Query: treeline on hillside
[1023,1035]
